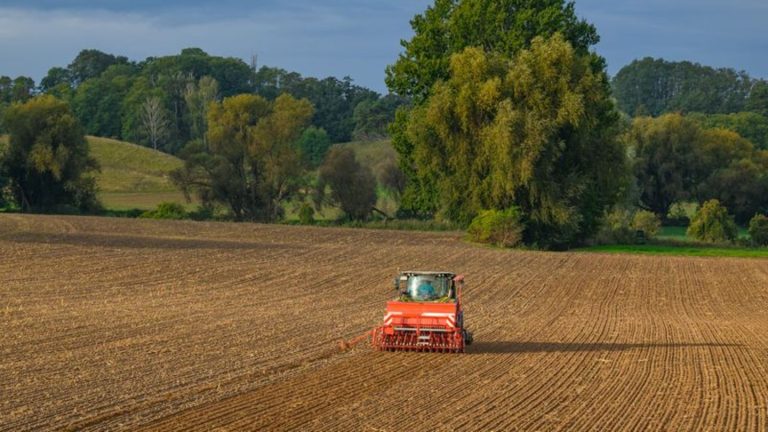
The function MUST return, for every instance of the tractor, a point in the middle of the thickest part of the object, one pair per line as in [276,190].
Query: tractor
[427,315]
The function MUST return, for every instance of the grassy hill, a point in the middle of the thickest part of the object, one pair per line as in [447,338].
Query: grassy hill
[133,176]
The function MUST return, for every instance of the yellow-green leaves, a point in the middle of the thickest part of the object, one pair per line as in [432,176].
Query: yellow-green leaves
[531,131]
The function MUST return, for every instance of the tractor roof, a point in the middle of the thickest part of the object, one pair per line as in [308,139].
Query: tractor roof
[431,273]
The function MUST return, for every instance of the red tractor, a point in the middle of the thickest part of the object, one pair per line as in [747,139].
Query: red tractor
[427,315]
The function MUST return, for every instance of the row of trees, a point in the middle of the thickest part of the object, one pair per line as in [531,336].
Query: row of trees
[655,86]
[161,102]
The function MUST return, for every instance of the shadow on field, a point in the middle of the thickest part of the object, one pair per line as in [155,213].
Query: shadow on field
[501,347]
[137,242]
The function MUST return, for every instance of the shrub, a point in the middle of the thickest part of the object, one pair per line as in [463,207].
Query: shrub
[758,230]
[166,210]
[647,222]
[306,214]
[712,223]
[616,228]
[498,227]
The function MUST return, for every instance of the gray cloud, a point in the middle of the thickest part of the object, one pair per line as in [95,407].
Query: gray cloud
[356,38]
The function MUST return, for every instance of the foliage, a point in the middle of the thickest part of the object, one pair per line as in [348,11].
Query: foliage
[507,26]
[712,223]
[616,228]
[758,230]
[48,161]
[741,186]
[752,126]
[167,210]
[251,163]
[373,116]
[353,186]
[334,99]
[758,98]
[537,131]
[647,222]
[655,86]
[306,214]
[497,227]
[198,97]
[314,144]
[90,63]
[676,160]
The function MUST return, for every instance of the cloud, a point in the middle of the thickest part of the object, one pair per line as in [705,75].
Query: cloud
[314,39]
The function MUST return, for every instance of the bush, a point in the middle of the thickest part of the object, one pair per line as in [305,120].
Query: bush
[497,227]
[758,230]
[166,210]
[616,228]
[647,222]
[306,214]
[712,223]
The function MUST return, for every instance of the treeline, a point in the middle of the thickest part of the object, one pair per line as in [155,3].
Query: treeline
[161,101]
[720,98]
[508,126]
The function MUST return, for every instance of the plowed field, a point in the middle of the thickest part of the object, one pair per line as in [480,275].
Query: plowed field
[112,324]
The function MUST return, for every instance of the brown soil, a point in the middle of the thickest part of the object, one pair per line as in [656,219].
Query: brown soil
[121,324]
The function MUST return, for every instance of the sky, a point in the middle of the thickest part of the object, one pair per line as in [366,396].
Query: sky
[358,38]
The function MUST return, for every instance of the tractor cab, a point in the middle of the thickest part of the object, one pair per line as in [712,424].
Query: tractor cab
[426,286]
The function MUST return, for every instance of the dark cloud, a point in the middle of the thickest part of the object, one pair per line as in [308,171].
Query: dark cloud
[352,37]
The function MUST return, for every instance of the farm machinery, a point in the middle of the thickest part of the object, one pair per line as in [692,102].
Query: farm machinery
[426,316]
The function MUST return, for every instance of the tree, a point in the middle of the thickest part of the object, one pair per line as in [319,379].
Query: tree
[56,76]
[353,186]
[198,98]
[664,160]
[538,132]
[712,223]
[91,63]
[750,125]
[47,161]
[677,160]
[98,102]
[373,116]
[758,230]
[758,98]
[251,163]
[155,120]
[314,144]
[503,26]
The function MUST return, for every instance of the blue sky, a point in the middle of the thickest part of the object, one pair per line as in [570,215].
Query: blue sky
[353,37]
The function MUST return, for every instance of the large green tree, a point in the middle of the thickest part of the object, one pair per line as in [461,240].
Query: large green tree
[448,27]
[503,26]
[536,131]
[251,164]
[47,160]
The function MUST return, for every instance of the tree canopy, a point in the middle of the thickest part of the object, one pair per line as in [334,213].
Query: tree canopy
[47,161]
[655,86]
[503,26]
[675,159]
[536,131]
[251,163]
